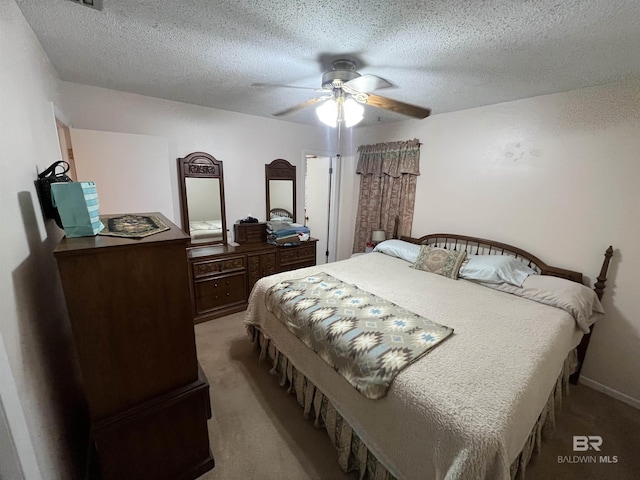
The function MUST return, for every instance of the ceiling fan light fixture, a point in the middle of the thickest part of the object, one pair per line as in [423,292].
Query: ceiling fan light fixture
[345,92]
[353,112]
[328,113]
[334,111]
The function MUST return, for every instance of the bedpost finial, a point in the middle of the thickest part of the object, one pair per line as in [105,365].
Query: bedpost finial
[601,281]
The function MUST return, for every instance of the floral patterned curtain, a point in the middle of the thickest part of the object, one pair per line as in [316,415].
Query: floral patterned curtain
[387,189]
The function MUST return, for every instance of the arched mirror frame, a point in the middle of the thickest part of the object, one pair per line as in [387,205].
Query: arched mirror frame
[280,169]
[200,165]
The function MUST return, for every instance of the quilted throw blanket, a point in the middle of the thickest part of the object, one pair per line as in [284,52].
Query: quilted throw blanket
[367,339]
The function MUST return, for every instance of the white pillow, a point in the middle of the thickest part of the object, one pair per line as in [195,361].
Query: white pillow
[495,269]
[280,218]
[572,297]
[399,248]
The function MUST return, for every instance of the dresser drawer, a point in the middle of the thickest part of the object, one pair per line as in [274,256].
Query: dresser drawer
[296,265]
[220,291]
[250,232]
[260,265]
[207,268]
[295,255]
[135,443]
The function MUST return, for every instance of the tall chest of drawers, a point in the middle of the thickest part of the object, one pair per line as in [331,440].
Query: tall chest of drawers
[129,307]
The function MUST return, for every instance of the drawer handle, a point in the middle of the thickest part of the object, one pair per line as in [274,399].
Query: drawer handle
[215,285]
[228,293]
[227,282]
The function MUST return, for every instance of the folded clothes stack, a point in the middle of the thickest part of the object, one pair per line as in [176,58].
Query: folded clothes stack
[286,234]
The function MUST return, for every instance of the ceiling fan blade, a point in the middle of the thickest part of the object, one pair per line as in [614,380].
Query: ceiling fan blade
[300,106]
[396,106]
[278,85]
[367,83]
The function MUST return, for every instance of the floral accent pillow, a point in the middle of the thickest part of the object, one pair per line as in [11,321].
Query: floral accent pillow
[440,261]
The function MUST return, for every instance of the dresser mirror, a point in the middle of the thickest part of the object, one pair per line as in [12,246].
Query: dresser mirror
[202,198]
[280,178]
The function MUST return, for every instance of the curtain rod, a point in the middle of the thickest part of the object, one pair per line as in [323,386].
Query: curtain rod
[391,145]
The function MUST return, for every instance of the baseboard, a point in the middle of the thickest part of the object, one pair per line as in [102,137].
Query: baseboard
[610,391]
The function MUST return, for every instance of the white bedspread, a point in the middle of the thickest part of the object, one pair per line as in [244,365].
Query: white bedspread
[206,229]
[463,411]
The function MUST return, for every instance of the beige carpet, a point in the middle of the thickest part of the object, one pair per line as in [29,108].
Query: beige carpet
[258,432]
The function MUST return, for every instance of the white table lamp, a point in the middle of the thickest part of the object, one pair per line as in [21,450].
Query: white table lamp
[378,236]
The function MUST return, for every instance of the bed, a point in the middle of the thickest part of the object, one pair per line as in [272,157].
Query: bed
[205,229]
[474,406]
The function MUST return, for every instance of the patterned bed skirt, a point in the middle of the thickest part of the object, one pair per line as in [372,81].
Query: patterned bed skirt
[353,454]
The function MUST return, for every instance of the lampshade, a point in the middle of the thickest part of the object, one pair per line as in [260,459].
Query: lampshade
[328,113]
[336,110]
[353,112]
[378,236]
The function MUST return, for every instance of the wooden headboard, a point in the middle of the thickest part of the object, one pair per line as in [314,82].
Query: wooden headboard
[281,212]
[482,246]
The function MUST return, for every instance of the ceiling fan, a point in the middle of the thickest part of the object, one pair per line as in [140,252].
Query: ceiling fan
[345,92]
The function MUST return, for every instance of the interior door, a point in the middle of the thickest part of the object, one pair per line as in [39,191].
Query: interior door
[320,203]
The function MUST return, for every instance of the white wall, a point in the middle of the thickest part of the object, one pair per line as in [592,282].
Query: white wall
[128,170]
[556,175]
[38,382]
[243,143]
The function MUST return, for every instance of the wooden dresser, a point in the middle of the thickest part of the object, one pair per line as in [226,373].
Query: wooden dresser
[222,276]
[129,305]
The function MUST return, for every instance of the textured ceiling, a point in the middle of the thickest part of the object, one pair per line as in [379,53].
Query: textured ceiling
[445,55]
